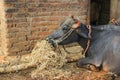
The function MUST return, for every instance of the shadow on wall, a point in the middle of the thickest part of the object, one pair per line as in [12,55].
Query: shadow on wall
[99,12]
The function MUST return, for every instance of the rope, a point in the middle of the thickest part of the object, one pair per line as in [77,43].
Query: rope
[64,36]
[88,42]
[70,32]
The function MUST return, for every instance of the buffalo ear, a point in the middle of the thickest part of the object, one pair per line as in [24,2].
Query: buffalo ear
[71,16]
[77,24]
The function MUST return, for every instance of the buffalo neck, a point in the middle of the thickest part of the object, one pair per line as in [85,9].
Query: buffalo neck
[83,32]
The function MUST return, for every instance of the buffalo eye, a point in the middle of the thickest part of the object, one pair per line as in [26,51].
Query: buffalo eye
[64,28]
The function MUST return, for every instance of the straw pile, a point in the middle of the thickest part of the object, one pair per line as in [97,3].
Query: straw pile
[49,64]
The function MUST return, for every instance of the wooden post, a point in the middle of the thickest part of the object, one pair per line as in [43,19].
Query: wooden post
[114,9]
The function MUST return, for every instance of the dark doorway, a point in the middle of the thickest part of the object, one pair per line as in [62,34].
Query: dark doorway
[99,12]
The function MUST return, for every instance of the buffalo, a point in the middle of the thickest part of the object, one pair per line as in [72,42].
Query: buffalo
[101,43]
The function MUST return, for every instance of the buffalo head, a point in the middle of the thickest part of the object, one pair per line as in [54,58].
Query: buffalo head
[70,31]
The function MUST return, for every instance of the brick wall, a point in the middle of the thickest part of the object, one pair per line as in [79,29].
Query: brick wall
[30,20]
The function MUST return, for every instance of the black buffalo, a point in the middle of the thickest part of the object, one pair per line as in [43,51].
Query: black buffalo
[104,47]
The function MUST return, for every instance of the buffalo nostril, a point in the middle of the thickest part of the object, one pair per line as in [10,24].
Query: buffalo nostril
[47,39]
[51,41]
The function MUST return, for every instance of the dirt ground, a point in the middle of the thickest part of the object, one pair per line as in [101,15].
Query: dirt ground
[77,73]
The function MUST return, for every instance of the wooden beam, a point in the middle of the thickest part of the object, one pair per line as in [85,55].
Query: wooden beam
[113,8]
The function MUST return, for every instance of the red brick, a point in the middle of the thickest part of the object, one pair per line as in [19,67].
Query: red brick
[11,1]
[12,10]
[13,50]
[22,10]
[13,40]
[33,38]
[38,19]
[21,34]
[8,15]
[32,9]
[44,33]
[35,29]
[52,27]
[43,36]
[43,13]
[24,52]
[33,0]
[34,24]
[20,44]
[22,0]
[44,29]
[13,30]
[16,20]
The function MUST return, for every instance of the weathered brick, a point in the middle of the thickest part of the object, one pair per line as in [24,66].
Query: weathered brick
[53,18]
[44,33]
[34,24]
[9,5]
[40,13]
[13,50]
[22,24]
[20,15]
[30,20]
[13,40]
[43,36]
[13,30]
[24,52]
[21,34]
[34,33]
[34,37]
[41,23]
[44,29]
[18,20]
[22,0]
[12,10]
[8,15]
[33,0]
[38,19]
[44,23]
[20,5]
[32,9]
[52,27]
[20,44]
[11,0]
[35,29]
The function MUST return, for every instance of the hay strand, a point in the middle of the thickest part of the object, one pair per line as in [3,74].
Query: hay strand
[48,63]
